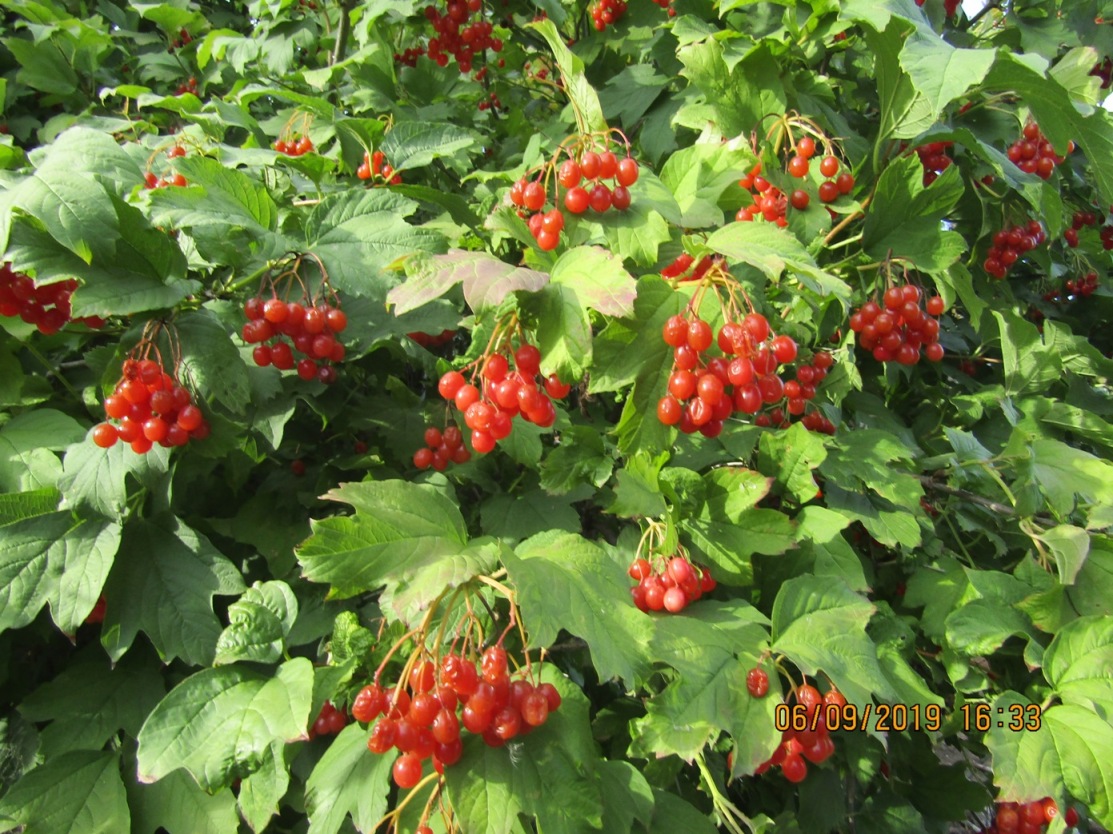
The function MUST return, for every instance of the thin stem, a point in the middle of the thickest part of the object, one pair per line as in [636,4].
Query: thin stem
[51,369]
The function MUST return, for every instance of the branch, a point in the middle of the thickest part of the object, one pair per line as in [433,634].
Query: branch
[973,497]
[343,29]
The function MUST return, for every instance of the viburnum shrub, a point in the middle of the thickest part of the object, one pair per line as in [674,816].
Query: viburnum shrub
[723,442]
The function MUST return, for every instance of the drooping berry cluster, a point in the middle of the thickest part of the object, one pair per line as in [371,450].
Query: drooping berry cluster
[441,448]
[1083,286]
[1009,244]
[811,744]
[935,159]
[461,33]
[950,7]
[151,407]
[432,340]
[426,718]
[771,204]
[606,13]
[581,175]
[667,4]
[682,266]
[184,38]
[169,176]
[668,584]
[899,331]
[375,167]
[1028,817]
[798,392]
[329,721]
[1081,220]
[293,145]
[47,307]
[187,86]
[312,324]
[505,394]
[1033,154]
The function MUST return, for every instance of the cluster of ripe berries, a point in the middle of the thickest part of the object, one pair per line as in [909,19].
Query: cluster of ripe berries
[935,160]
[456,36]
[505,394]
[441,448]
[950,7]
[293,147]
[701,396]
[187,86]
[329,721]
[606,13]
[1028,817]
[375,165]
[170,177]
[432,340]
[798,747]
[797,393]
[426,719]
[682,265]
[1081,220]
[667,4]
[184,39]
[902,328]
[1083,286]
[312,331]
[674,584]
[151,407]
[46,307]
[1033,154]
[1009,244]
[770,203]
[589,170]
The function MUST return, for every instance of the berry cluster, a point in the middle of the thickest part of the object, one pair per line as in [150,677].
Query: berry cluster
[311,328]
[1083,286]
[442,448]
[151,407]
[898,332]
[169,177]
[1028,817]
[505,394]
[702,395]
[606,13]
[432,340]
[798,392]
[1081,220]
[934,158]
[1033,154]
[374,166]
[682,266]
[425,719]
[771,204]
[1010,244]
[458,35]
[329,721]
[491,102]
[589,170]
[46,307]
[670,585]
[950,7]
[187,86]
[813,743]
[293,146]
[184,39]
[667,4]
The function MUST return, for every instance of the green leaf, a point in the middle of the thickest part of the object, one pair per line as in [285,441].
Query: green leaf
[1028,364]
[217,723]
[698,176]
[981,626]
[1063,472]
[585,101]
[566,582]
[210,361]
[637,492]
[1070,546]
[20,505]
[773,250]
[258,624]
[729,544]
[905,112]
[54,559]
[169,575]
[216,195]
[742,95]
[1075,664]
[75,210]
[598,279]
[732,490]
[627,795]
[90,702]
[820,624]
[96,478]
[580,457]
[26,445]
[75,793]
[359,233]
[939,72]
[904,220]
[347,780]
[563,331]
[1067,755]
[672,814]
[526,513]
[176,803]
[412,144]
[789,457]
[43,66]
[395,522]
[486,280]
[261,792]
[548,774]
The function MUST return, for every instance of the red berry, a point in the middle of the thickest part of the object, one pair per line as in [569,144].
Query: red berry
[105,435]
[407,770]
[794,768]
[829,166]
[806,147]
[798,167]
[627,173]
[757,682]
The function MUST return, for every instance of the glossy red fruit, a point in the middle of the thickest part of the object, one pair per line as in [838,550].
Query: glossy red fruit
[105,435]
[407,770]
[757,682]
[627,173]
[794,768]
